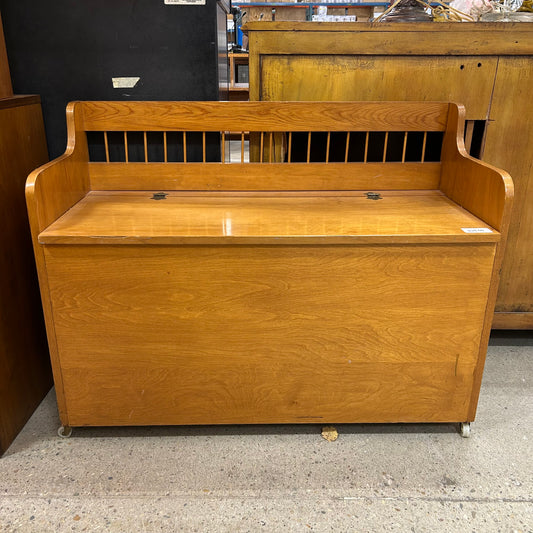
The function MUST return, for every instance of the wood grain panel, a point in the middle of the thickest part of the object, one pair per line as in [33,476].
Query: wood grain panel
[363,78]
[25,375]
[480,188]
[50,191]
[403,39]
[512,321]
[263,176]
[181,335]
[137,218]
[508,144]
[261,116]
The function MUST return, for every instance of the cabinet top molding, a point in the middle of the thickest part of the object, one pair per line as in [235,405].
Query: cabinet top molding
[466,38]
[497,27]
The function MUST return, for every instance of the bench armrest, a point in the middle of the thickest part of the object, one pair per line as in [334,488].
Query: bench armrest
[56,186]
[482,189]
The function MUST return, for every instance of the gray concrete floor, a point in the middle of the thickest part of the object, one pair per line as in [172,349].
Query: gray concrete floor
[414,478]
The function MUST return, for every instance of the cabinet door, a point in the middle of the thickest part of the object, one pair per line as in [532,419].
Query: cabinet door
[508,145]
[465,80]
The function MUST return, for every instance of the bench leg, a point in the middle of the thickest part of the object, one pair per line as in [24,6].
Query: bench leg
[64,432]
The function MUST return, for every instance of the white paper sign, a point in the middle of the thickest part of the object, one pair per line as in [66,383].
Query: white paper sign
[477,230]
[125,82]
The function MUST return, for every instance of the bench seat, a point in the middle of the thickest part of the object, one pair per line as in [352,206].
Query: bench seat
[122,217]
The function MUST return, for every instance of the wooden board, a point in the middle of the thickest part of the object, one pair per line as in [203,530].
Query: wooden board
[258,116]
[379,78]
[264,177]
[476,38]
[25,375]
[508,144]
[267,334]
[129,218]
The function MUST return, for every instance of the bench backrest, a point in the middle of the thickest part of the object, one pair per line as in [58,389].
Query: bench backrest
[292,145]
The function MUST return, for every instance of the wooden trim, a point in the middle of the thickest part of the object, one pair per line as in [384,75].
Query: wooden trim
[291,240]
[19,100]
[405,39]
[512,320]
[264,176]
[504,28]
[264,116]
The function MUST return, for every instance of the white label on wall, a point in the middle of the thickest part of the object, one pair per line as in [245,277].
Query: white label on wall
[185,2]
[125,83]
[477,230]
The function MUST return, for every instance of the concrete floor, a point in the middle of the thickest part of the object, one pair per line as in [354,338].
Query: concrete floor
[414,478]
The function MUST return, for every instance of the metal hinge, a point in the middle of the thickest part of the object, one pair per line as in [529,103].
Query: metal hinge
[373,196]
[159,196]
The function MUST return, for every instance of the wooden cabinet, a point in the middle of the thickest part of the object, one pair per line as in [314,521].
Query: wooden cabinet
[25,375]
[488,67]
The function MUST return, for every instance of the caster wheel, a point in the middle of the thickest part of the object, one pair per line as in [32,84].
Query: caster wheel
[64,432]
[464,429]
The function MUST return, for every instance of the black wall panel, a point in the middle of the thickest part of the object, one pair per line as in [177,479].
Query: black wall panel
[71,49]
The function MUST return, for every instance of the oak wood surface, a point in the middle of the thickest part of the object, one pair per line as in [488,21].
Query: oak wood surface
[508,145]
[25,375]
[259,116]
[293,334]
[134,218]
[487,67]
[264,177]
[233,301]
[485,191]
[50,191]
[380,38]
[377,78]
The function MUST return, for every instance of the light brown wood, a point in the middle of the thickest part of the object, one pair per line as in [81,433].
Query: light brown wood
[374,78]
[258,116]
[123,218]
[50,191]
[237,91]
[376,350]
[512,321]
[465,183]
[508,143]
[6,89]
[467,39]
[258,176]
[253,287]
[488,67]
[25,375]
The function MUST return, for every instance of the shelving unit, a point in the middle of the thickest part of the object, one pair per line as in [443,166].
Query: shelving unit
[365,9]
[237,91]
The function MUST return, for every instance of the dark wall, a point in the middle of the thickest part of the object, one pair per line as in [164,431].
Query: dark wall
[70,50]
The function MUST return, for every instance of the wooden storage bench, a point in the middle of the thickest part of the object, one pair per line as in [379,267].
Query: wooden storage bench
[183,287]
